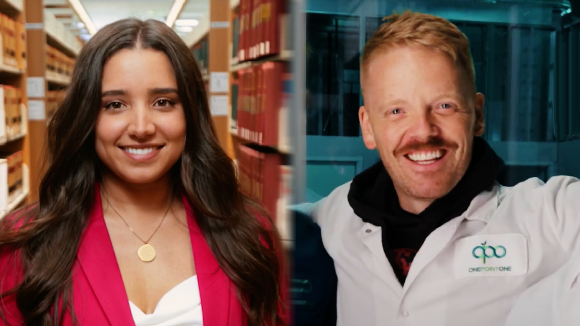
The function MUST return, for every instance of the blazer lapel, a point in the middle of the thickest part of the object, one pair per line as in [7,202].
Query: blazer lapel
[216,289]
[99,265]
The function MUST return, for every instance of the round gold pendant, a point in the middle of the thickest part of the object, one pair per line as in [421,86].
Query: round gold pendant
[147,253]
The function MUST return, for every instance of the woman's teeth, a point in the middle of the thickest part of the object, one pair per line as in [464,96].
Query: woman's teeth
[139,151]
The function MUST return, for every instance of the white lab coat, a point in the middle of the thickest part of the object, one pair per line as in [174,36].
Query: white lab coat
[537,224]
[554,301]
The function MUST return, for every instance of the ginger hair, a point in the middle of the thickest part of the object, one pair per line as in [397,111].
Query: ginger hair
[417,29]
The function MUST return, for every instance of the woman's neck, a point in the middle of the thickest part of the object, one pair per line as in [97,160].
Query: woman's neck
[142,201]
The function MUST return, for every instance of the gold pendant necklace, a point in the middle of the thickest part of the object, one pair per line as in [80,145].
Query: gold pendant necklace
[146,252]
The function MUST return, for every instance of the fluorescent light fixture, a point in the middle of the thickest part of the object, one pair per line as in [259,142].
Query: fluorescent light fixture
[567,11]
[185,29]
[174,12]
[186,22]
[80,10]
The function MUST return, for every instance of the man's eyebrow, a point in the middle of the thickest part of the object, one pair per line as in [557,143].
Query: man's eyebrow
[155,91]
[391,103]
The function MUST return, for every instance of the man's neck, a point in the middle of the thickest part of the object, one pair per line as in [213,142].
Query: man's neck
[414,205]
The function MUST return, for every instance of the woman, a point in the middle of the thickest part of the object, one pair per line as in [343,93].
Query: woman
[140,219]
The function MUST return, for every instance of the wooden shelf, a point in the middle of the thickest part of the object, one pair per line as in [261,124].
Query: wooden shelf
[20,199]
[285,55]
[285,149]
[57,79]
[5,140]
[15,203]
[10,70]
[11,6]
[282,149]
[55,42]
[59,37]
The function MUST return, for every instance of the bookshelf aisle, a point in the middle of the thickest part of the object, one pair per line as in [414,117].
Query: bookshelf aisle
[13,113]
[260,82]
[52,49]
[257,66]
[61,49]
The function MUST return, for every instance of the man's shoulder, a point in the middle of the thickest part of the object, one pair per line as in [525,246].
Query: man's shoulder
[559,196]
[340,192]
[334,206]
[553,186]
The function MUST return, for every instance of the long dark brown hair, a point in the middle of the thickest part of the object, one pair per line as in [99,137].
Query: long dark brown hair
[48,233]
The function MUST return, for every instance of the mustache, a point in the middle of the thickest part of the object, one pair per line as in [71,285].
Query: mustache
[431,143]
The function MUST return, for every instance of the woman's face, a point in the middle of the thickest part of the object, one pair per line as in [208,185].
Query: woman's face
[140,131]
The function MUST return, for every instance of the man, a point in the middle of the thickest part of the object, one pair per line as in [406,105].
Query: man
[428,236]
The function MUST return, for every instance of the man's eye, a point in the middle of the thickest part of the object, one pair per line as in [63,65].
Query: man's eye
[446,106]
[396,111]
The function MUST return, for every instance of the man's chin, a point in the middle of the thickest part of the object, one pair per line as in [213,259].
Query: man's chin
[428,190]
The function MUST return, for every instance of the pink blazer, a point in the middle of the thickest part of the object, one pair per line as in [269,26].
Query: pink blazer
[99,295]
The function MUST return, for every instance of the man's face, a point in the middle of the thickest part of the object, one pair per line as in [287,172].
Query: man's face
[421,118]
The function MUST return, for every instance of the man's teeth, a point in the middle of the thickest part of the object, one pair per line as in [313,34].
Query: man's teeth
[425,156]
[139,151]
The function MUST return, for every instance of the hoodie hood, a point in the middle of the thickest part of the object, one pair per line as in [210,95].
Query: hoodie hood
[373,198]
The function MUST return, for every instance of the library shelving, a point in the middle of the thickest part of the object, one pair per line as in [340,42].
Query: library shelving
[260,79]
[57,34]
[14,154]
[247,44]
[61,49]
[52,50]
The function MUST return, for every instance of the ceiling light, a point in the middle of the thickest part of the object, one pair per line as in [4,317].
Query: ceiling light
[186,22]
[185,29]
[80,10]
[174,12]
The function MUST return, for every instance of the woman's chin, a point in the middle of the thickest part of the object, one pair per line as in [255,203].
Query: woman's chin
[142,177]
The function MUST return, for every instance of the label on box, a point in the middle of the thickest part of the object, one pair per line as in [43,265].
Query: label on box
[219,82]
[219,105]
[36,110]
[225,24]
[35,87]
[35,26]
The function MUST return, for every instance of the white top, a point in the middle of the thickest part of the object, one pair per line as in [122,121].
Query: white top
[533,227]
[179,307]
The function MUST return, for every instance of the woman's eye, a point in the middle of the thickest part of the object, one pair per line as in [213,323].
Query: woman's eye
[114,105]
[164,103]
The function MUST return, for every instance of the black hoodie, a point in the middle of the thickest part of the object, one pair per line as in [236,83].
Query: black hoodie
[373,198]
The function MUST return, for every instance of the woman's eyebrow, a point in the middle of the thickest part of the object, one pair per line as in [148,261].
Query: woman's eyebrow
[115,92]
[154,91]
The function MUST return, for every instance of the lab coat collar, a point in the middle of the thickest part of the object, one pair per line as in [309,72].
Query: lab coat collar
[481,208]
[484,205]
